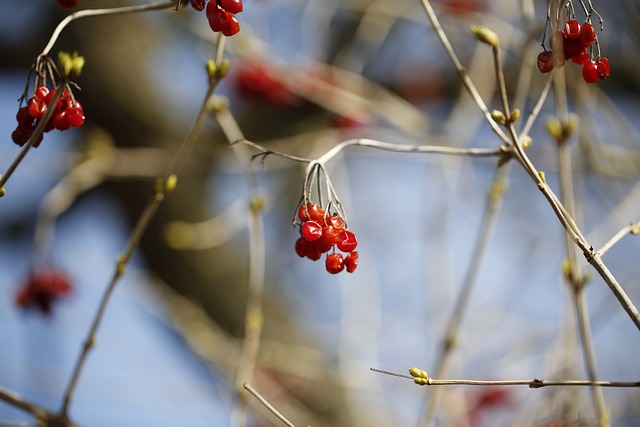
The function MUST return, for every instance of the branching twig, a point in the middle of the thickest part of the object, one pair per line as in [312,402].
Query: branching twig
[633,228]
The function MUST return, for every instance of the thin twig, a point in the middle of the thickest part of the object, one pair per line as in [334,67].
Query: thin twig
[534,383]
[633,228]
[267,405]
[162,189]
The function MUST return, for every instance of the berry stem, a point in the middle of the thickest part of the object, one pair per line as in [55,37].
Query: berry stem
[102,12]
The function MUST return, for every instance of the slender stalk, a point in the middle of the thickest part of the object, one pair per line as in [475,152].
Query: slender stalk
[21,403]
[633,228]
[253,323]
[534,383]
[160,191]
[267,405]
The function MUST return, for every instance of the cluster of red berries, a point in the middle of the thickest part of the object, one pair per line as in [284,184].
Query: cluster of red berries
[576,40]
[319,233]
[42,288]
[221,14]
[68,114]
[67,4]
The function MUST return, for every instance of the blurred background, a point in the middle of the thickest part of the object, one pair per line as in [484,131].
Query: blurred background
[304,76]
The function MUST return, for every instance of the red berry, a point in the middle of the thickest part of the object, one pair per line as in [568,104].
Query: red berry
[302,247]
[19,136]
[67,4]
[590,72]
[198,4]
[233,6]
[24,118]
[41,93]
[572,29]
[330,235]
[336,221]
[60,120]
[334,263]
[587,34]
[571,47]
[348,241]
[311,231]
[37,109]
[75,117]
[314,252]
[221,20]
[311,212]
[582,56]
[604,69]
[545,61]
[351,261]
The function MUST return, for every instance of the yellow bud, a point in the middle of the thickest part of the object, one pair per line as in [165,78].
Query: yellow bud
[485,35]
[257,204]
[567,270]
[77,64]
[542,177]
[571,125]
[170,184]
[223,69]
[421,381]
[515,115]
[418,373]
[216,104]
[554,128]
[526,141]
[499,117]
[211,68]
[3,191]
[65,64]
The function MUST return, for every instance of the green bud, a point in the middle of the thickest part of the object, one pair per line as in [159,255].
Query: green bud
[515,115]
[555,128]
[485,35]
[211,68]
[223,69]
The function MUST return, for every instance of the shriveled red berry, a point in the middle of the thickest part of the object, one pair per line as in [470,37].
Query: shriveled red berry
[37,109]
[197,4]
[581,57]
[67,4]
[311,231]
[334,263]
[311,212]
[587,34]
[221,21]
[336,221]
[75,117]
[24,118]
[19,136]
[314,252]
[233,6]
[351,261]
[571,47]
[41,93]
[302,247]
[603,67]
[545,61]
[330,235]
[572,29]
[348,241]
[60,120]
[590,72]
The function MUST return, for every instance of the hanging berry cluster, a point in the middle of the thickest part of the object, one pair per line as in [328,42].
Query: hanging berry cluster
[221,14]
[320,233]
[577,43]
[67,4]
[68,113]
[42,288]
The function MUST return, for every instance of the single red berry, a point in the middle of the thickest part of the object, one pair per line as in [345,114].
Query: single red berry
[198,4]
[572,29]
[322,246]
[37,109]
[330,235]
[75,117]
[590,72]
[348,241]
[351,261]
[233,6]
[582,57]
[336,221]
[571,47]
[67,4]
[334,263]
[24,118]
[311,231]
[220,20]
[587,34]
[302,247]
[604,69]
[41,93]
[314,252]
[545,61]
[311,212]
[19,136]
[60,120]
